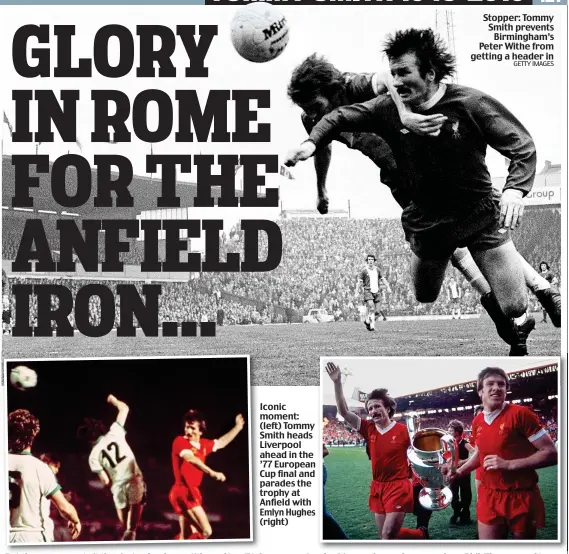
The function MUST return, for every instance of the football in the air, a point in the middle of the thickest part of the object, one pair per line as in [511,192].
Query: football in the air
[259,32]
[23,377]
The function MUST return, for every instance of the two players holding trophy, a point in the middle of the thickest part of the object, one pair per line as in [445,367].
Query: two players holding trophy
[511,445]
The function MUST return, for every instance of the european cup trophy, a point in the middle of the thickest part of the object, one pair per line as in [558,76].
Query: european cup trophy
[433,453]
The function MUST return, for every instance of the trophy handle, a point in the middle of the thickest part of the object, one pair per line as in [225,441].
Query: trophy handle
[449,452]
[413,423]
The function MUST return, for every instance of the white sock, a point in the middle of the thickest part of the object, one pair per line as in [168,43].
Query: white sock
[464,262]
[520,320]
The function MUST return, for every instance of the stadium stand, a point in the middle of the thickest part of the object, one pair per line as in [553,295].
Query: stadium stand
[320,262]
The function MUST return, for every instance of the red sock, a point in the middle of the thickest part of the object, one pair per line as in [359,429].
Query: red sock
[410,534]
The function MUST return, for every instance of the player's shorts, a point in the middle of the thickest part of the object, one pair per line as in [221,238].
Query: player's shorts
[184,498]
[129,493]
[478,230]
[19,537]
[375,297]
[520,510]
[386,497]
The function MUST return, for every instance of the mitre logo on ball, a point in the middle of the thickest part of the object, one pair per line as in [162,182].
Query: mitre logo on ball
[259,32]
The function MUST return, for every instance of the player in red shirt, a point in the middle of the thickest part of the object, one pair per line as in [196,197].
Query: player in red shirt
[189,453]
[511,444]
[391,492]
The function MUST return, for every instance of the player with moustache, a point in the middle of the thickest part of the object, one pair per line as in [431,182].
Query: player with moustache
[189,453]
[391,492]
[510,445]
[452,203]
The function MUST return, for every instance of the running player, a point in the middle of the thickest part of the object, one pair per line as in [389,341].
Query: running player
[511,444]
[189,453]
[391,492]
[318,88]
[113,461]
[552,282]
[32,485]
[454,297]
[370,279]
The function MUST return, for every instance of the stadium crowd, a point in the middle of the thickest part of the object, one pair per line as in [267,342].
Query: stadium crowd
[320,263]
[337,433]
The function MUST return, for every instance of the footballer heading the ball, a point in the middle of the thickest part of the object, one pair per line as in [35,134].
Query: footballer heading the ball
[259,32]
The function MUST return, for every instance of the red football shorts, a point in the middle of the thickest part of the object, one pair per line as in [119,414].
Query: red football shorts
[520,510]
[386,497]
[478,473]
[184,498]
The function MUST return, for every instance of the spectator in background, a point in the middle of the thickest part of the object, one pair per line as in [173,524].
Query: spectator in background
[460,488]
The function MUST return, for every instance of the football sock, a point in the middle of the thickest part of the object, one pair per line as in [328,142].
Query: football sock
[520,320]
[463,261]
[534,280]
[410,534]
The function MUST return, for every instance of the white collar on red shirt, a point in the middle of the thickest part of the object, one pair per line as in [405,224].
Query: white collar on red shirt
[489,417]
[384,430]
[433,99]
[195,444]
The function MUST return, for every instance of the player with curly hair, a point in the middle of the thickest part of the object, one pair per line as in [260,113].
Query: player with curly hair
[391,491]
[31,485]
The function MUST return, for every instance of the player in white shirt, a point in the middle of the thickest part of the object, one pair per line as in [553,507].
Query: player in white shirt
[370,280]
[30,483]
[113,461]
[454,297]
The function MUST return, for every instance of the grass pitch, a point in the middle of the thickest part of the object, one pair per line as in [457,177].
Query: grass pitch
[289,354]
[347,490]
